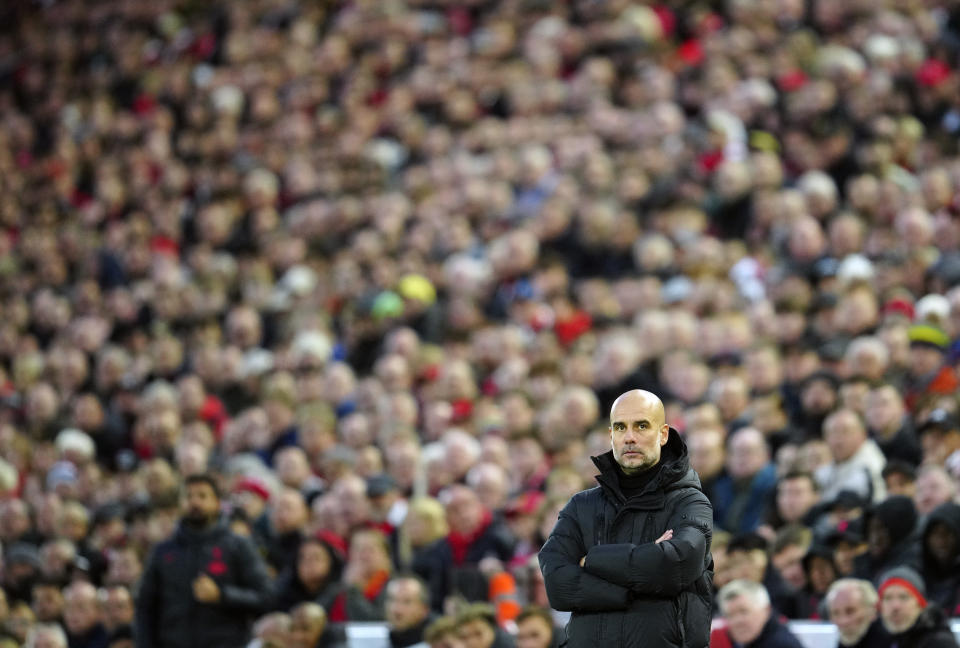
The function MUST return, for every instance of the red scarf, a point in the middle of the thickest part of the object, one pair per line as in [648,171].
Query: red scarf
[460,542]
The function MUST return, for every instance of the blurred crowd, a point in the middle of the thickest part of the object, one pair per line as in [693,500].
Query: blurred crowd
[382,266]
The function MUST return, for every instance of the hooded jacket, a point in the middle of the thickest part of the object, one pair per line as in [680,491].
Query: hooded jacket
[168,616]
[943,581]
[898,516]
[630,590]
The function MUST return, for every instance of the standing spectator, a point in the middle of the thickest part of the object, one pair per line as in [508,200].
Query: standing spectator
[407,611]
[203,573]
[906,614]
[852,605]
[81,615]
[750,619]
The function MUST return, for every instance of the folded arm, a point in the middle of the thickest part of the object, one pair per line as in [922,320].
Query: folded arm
[569,587]
[663,568]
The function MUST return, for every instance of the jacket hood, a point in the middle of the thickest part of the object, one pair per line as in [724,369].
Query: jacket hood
[898,515]
[674,467]
[947,514]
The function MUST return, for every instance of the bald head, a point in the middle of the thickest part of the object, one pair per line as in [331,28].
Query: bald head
[639,398]
[637,430]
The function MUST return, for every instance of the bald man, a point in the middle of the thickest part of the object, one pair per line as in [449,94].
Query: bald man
[631,557]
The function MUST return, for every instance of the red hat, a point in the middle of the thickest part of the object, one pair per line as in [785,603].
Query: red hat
[252,485]
[899,305]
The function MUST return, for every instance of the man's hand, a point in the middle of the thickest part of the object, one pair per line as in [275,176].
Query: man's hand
[205,590]
[583,560]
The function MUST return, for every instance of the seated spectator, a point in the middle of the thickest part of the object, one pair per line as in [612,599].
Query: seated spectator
[271,631]
[365,577]
[116,605]
[935,486]
[750,620]
[939,436]
[929,375]
[82,617]
[46,635]
[535,629]
[451,564]
[47,601]
[891,426]
[309,628]
[315,577]
[907,615]
[443,633]
[890,528]
[747,558]
[742,493]
[852,606]
[899,478]
[288,516]
[797,497]
[407,611]
[477,628]
[789,547]
[424,524]
[940,552]
[857,461]
[820,572]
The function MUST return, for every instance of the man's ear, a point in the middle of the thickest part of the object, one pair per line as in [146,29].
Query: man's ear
[664,434]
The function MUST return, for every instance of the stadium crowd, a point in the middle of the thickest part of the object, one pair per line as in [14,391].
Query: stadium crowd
[362,279]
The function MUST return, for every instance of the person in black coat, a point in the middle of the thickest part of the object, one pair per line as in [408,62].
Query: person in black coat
[315,575]
[631,557]
[204,585]
[751,622]
[906,614]
[890,528]
[941,556]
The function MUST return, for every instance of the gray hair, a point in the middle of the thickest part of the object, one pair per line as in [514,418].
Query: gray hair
[868,593]
[756,592]
[49,630]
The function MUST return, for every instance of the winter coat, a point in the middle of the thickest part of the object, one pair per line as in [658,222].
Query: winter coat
[876,637]
[444,576]
[167,614]
[632,591]
[931,630]
[728,514]
[899,516]
[943,581]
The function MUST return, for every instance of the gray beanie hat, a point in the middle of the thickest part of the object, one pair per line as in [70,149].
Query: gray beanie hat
[905,577]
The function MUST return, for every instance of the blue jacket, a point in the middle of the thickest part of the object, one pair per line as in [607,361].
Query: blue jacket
[757,493]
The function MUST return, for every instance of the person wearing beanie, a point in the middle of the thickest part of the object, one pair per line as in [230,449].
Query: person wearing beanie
[908,616]
[929,374]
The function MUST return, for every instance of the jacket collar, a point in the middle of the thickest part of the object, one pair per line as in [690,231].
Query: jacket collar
[674,472]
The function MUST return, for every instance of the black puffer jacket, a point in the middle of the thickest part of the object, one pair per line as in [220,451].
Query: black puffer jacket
[167,614]
[631,591]
[898,516]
